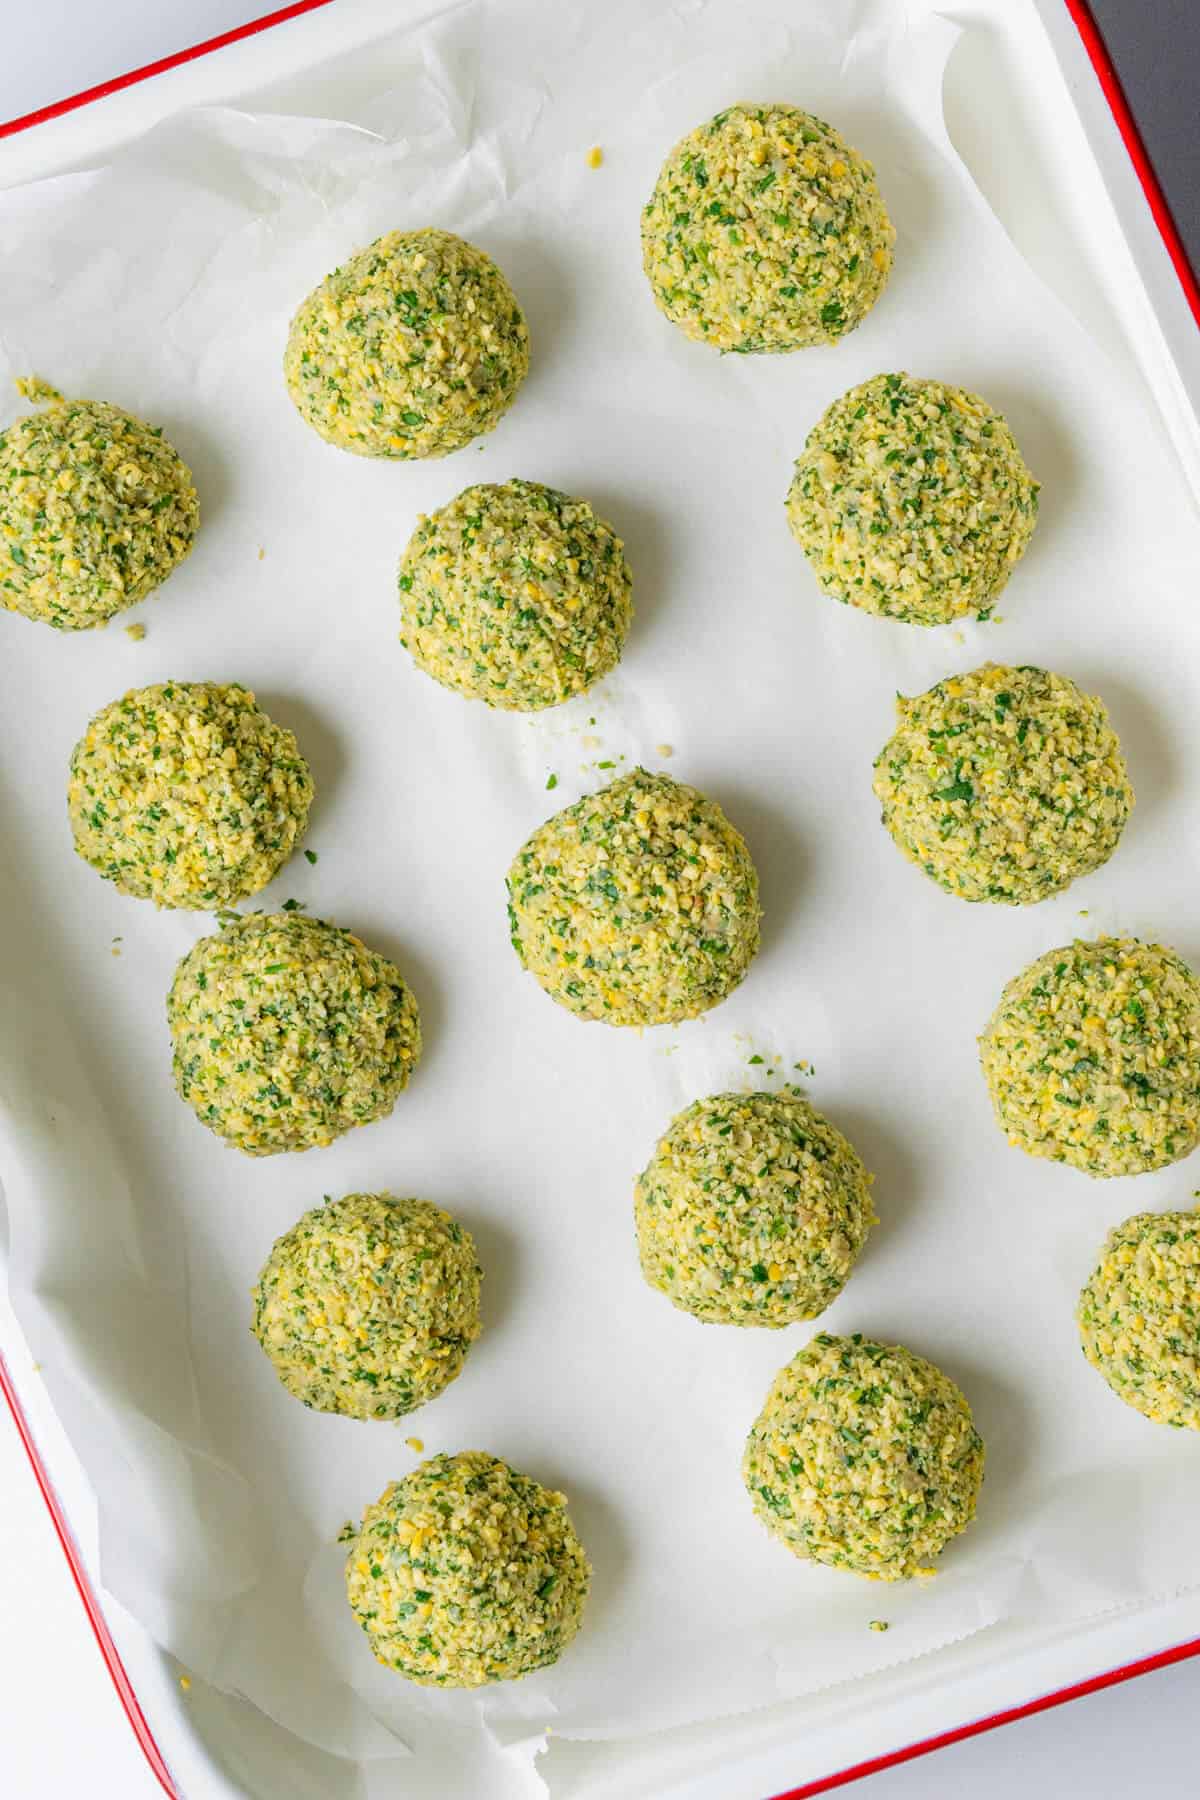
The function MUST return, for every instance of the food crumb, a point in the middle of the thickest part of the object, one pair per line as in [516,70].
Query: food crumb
[311,856]
[185,1682]
[1083,912]
[595,157]
[261,552]
[415,1444]
[879,1625]
[664,749]
[959,638]
[551,781]
[31,387]
[589,742]
[135,633]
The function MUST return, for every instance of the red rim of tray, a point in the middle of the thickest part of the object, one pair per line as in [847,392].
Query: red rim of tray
[1156,199]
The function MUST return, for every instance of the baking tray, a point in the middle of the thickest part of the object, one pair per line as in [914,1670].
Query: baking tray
[1038,62]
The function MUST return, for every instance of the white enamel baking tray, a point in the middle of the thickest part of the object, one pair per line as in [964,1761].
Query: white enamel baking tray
[1035,111]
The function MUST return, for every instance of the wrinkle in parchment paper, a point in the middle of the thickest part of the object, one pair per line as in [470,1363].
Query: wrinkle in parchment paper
[164,281]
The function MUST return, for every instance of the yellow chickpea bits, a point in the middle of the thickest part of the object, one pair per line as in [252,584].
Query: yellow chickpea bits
[187,794]
[1093,1057]
[412,348]
[911,500]
[96,509]
[1004,784]
[766,232]
[288,1031]
[865,1457]
[467,1572]
[1139,1316]
[752,1210]
[638,905]
[368,1305]
[516,595]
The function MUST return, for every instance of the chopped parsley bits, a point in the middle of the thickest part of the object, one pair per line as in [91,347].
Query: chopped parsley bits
[412,348]
[910,499]
[637,905]
[766,232]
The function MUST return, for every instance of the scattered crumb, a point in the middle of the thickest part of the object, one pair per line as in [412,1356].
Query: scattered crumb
[591,743]
[415,1444]
[1083,912]
[755,1058]
[32,387]
[295,905]
[116,950]
[664,749]
[609,764]
[595,157]
[959,638]
[135,633]
[261,552]
[311,856]
[37,1368]
[551,781]
[185,1682]
[879,1625]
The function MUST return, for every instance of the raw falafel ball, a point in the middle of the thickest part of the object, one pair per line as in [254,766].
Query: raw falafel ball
[516,595]
[638,905]
[865,1457]
[96,509]
[288,1031]
[369,1304]
[467,1572]
[911,500]
[1004,784]
[412,348]
[752,1210]
[1139,1316]
[187,794]
[1092,1057]
[766,232]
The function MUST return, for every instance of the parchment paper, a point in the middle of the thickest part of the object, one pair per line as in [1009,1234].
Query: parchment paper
[164,282]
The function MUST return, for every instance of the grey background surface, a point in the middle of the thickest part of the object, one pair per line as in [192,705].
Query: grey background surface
[1155,45]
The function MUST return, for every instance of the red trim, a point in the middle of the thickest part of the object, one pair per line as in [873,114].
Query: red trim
[1139,156]
[175,61]
[86,1592]
[1106,74]
[1045,1702]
